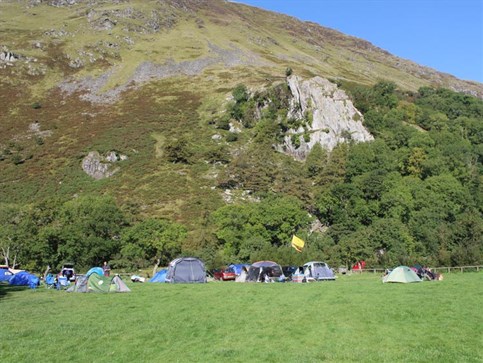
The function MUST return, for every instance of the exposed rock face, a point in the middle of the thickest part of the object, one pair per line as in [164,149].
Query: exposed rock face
[331,117]
[100,167]
[92,88]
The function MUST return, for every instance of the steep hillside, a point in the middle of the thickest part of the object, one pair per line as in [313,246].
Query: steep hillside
[135,99]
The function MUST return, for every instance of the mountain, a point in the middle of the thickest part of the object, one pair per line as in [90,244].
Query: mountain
[137,99]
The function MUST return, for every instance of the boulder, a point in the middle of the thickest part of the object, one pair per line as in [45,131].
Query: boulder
[101,167]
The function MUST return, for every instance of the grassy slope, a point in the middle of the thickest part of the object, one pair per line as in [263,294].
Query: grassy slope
[163,110]
[356,318]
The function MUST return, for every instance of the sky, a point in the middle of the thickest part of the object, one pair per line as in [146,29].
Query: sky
[446,35]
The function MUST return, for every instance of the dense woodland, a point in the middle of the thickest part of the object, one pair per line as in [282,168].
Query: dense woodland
[413,195]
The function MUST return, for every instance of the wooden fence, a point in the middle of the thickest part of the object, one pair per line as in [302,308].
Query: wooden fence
[458,269]
[434,269]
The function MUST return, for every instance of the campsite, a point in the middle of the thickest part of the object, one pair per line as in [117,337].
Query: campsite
[356,318]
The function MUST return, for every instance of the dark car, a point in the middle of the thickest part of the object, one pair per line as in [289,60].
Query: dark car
[288,271]
[68,271]
[225,275]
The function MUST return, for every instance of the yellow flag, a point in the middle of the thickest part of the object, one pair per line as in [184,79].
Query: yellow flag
[298,243]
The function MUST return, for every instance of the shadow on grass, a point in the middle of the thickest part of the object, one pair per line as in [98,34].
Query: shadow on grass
[6,289]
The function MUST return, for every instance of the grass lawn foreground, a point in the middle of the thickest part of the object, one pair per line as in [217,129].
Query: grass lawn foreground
[356,318]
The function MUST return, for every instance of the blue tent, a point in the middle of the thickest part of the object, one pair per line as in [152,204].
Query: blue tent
[160,276]
[24,278]
[186,270]
[5,274]
[238,267]
[95,270]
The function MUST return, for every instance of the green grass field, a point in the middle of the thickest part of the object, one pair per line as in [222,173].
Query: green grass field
[356,318]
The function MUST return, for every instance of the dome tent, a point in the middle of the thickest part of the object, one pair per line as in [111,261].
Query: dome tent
[97,282]
[318,271]
[259,271]
[402,274]
[160,276]
[186,270]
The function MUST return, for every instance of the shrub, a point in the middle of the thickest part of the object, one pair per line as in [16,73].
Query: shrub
[223,123]
[17,159]
[39,140]
[231,137]
[240,93]
[178,151]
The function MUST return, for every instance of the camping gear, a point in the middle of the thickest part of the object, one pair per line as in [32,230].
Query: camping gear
[264,271]
[298,276]
[401,274]
[24,278]
[49,281]
[96,282]
[318,271]
[424,273]
[137,278]
[62,282]
[160,276]
[186,270]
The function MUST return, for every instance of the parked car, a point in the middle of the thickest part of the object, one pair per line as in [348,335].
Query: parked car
[227,274]
[68,271]
[288,271]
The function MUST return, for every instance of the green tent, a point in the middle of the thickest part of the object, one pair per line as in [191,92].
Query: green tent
[401,274]
[99,283]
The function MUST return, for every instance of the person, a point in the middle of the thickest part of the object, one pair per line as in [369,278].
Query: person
[243,275]
[106,268]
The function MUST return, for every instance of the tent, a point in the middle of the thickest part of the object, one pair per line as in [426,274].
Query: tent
[359,266]
[24,278]
[96,282]
[242,277]
[262,271]
[318,271]
[401,274]
[95,270]
[186,270]
[238,267]
[160,276]
[5,274]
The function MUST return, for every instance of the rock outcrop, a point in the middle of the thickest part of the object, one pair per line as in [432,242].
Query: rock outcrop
[330,117]
[101,167]
[7,56]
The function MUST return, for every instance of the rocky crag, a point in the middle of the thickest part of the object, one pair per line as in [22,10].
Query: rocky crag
[332,118]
